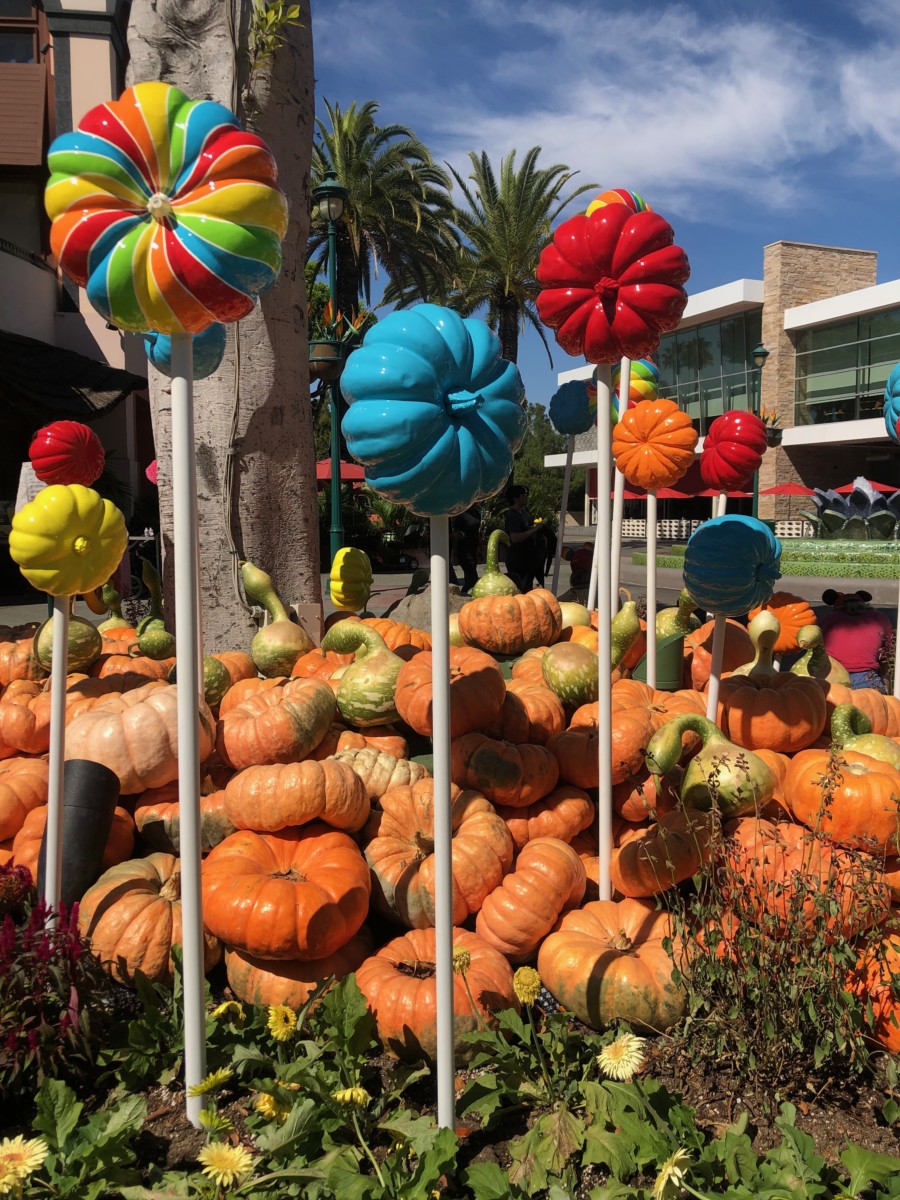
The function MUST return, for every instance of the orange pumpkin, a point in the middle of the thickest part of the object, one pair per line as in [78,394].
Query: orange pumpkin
[529,668]
[586,846]
[244,689]
[277,725]
[238,665]
[27,842]
[399,986]
[132,915]
[562,814]
[24,720]
[18,662]
[606,962]
[583,635]
[118,663]
[673,849]
[400,851]
[378,771]
[511,624]
[397,633]
[292,982]
[793,613]
[531,712]
[157,816]
[477,691]
[576,752]
[644,796]
[883,711]
[653,443]
[548,880]
[298,893]
[739,649]
[276,796]
[873,982]
[852,798]
[23,787]
[503,772]
[780,712]
[321,663]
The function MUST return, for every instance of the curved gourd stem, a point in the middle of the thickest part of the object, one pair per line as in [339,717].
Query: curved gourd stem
[664,748]
[493,582]
[112,600]
[351,637]
[153,584]
[848,721]
[95,603]
[625,629]
[259,587]
[763,630]
[816,661]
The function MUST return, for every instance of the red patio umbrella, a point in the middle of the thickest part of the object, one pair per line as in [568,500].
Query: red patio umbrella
[349,470]
[878,487]
[788,489]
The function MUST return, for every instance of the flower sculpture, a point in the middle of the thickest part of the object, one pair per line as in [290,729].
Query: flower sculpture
[435,413]
[732,450]
[892,405]
[207,348]
[67,452]
[68,539]
[731,564]
[166,211]
[612,283]
[573,409]
[653,444]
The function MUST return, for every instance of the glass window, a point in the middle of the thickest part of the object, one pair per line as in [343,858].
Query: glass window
[17,9]
[688,364]
[17,46]
[838,334]
[709,351]
[833,358]
[734,354]
[880,324]
[665,360]
[736,393]
[752,330]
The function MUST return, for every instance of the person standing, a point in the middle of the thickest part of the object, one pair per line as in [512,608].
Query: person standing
[467,526]
[857,636]
[525,540]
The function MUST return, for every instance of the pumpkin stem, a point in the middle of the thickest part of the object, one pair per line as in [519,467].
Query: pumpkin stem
[493,582]
[171,889]
[848,721]
[816,661]
[625,629]
[353,637]
[112,600]
[664,748]
[424,844]
[622,941]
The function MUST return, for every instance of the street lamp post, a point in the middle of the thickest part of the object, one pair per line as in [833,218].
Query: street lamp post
[760,354]
[330,198]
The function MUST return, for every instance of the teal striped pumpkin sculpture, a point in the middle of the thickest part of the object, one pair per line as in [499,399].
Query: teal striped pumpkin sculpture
[892,405]
[731,564]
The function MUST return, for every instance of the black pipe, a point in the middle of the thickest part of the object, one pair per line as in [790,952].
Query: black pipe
[90,793]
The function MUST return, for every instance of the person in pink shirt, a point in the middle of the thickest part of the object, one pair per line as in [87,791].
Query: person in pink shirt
[857,636]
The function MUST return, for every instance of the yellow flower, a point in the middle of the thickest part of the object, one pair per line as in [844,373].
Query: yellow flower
[352,1096]
[290,1087]
[10,1181]
[527,985]
[282,1022]
[225,1164]
[20,1158]
[230,1011]
[622,1058]
[268,1107]
[670,1180]
[211,1083]
[214,1122]
[462,960]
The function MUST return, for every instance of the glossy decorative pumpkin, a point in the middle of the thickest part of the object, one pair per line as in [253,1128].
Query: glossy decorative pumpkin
[477,691]
[511,624]
[351,579]
[292,982]
[399,986]
[435,414]
[277,796]
[157,816]
[515,776]
[277,725]
[299,893]
[732,450]
[548,880]
[135,734]
[731,564]
[23,787]
[606,962]
[571,410]
[400,851]
[207,352]
[793,613]
[27,842]
[612,283]
[676,847]
[67,452]
[780,712]
[852,798]
[653,444]
[562,813]
[891,411]
[132,915]
[531,712]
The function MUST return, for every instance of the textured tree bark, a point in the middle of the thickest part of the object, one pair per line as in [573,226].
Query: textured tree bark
[254,439]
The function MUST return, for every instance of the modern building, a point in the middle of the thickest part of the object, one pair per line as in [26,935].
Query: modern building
[58,358]
[832,335]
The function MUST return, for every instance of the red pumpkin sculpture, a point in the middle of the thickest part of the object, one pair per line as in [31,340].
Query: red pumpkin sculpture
[612,283]
[732,450]
[67,452]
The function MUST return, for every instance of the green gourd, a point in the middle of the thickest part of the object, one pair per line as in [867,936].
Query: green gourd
[816,661]
[851,729]
[84,644]
[571,671]
[763,630]
[625,629]
[113,602]
[278,645]
[493,582]
[366,689]
[680,619]
[216,680]
[153,639]
[721,775]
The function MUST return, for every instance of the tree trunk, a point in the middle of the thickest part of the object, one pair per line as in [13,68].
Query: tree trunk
[254,441]
[508,329]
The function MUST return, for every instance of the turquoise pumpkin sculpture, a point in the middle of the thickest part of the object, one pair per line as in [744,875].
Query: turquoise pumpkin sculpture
[435,414]
[572,410]
[731,564]
[207,350]
[892,405]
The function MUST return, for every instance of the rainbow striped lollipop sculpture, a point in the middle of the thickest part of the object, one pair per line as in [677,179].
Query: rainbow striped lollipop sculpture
[165,211]
[644,380]
[631,200]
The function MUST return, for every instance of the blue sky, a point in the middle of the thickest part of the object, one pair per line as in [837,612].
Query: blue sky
[742,124]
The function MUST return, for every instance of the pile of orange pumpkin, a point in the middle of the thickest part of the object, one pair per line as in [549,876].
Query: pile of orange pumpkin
[315,819]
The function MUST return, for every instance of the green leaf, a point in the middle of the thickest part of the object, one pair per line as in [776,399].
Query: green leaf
[57,1113]
[865,1166]
[344,1014]
[419,1132]
[526,1167]
[487,1182]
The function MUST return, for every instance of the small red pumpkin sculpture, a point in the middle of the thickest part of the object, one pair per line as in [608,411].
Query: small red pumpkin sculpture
[67,452]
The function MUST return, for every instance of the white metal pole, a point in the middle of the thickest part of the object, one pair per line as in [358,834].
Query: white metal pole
[595,561]
[563,509]
[443,828]
[187,636]
[720,504]
[53,833]
[715,671]
[651,589]
[604,634]
[615,566]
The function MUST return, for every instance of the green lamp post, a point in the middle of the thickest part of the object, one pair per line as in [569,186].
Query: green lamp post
[760,354]
[330,198]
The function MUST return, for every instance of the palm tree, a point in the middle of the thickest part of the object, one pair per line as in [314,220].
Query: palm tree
[399,212]
[505,227]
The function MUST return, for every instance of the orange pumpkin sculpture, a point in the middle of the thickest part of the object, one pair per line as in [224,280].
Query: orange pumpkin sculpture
[793,613]
[653,444]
